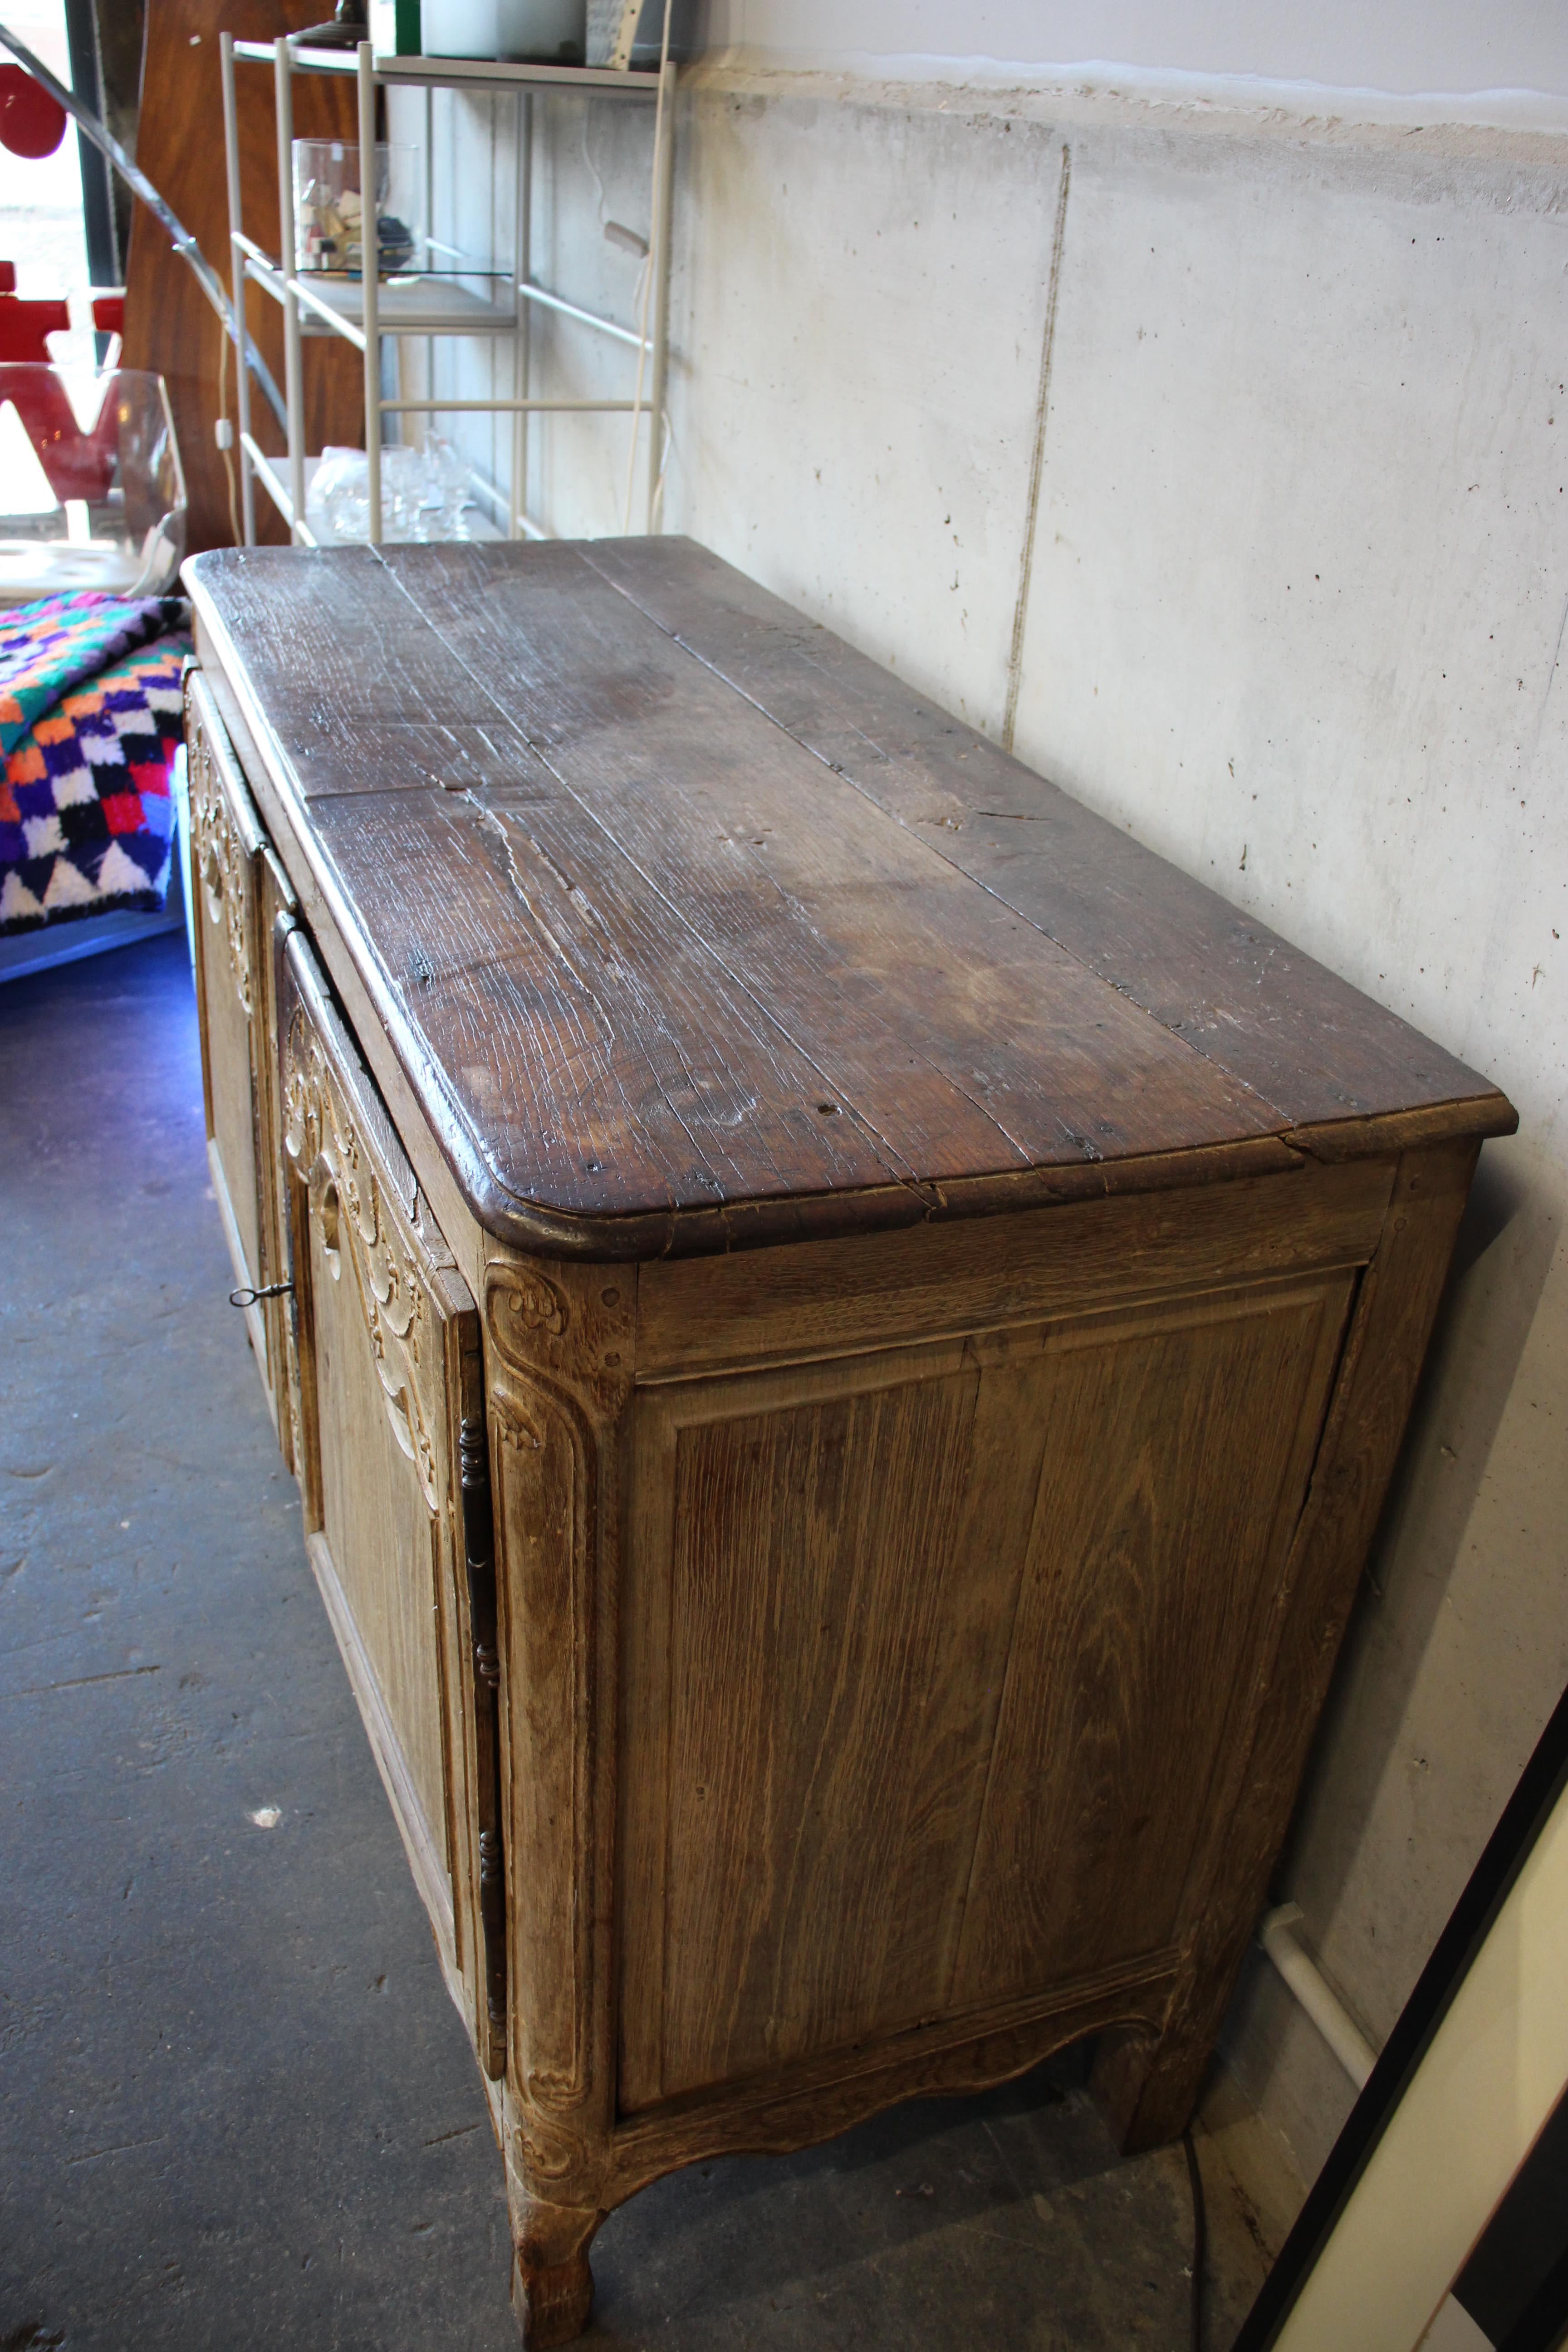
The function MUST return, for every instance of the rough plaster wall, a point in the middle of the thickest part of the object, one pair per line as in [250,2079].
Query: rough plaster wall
[1400,46]
[1295,617]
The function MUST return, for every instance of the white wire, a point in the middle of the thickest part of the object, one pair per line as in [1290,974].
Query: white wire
[647,278]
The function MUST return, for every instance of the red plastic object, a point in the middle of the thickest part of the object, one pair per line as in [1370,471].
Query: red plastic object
[108,313]
[8,277]
[23,325]
[31,122]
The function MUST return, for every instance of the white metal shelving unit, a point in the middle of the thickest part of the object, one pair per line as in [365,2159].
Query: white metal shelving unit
[430,303]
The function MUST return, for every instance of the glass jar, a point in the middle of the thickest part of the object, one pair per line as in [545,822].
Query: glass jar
[329,207]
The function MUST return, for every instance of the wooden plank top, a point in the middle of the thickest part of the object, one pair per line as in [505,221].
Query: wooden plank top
[693,928]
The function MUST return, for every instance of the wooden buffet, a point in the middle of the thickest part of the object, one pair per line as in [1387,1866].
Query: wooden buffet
[842,1329]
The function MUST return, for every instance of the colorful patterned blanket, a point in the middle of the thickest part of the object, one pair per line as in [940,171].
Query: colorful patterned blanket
[89,730]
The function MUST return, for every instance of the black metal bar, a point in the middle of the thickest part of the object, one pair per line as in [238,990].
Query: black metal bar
[104,267]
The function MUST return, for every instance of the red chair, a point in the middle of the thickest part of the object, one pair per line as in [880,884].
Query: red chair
[23,325]
[39,397]
[79,465]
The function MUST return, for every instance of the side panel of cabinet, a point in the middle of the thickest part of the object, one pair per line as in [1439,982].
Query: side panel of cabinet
[392,1426]
[939,1661]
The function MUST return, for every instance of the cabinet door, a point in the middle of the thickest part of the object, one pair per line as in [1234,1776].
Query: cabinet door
[240,893]
[227,846]
[394,1473]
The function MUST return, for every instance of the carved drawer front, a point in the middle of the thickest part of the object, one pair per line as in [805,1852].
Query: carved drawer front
[395,1480]
[940,1662]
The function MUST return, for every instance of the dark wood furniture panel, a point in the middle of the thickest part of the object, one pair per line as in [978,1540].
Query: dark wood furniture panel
[843,1329]
[924,1636]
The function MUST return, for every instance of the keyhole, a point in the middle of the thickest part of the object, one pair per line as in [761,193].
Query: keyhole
[329,1245]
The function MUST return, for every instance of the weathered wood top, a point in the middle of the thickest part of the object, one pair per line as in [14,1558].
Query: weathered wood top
[693,928]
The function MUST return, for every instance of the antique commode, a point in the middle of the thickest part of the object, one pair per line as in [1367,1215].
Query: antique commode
[842,1329]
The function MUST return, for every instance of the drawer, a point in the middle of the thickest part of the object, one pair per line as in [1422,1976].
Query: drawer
[395,1478]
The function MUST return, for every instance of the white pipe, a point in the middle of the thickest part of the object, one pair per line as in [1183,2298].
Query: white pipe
[334,319]
[522,349]
[532,293]
[664,165]
[500,504]
[370,282]
[237,271]
[443,403]
[293,378]
[1322,2005]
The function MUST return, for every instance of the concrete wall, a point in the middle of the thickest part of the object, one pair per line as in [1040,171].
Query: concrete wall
[1516,49]
[1296,602]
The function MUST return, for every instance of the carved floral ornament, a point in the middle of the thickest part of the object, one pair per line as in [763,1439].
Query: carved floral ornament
[531,1301]
[349,1212]
[222,861]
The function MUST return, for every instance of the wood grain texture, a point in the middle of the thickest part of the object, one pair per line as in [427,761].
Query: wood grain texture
[906,1642]
[278,918]
[170,327]
[389,1343]
[1306,1042]
[831,1298]
[816,2099]
[1149,2084]
[227,860]
[336,953]
[653,965]
[1177,1459]
[558,1356]
[916,1639]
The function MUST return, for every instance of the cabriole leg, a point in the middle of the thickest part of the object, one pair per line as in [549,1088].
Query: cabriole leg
[551,2285]
[1148,2084]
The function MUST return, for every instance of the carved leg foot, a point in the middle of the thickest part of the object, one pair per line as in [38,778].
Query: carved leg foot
[551,2285]
[1148,2084]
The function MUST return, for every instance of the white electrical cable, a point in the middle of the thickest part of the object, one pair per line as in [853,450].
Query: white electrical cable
[648,279]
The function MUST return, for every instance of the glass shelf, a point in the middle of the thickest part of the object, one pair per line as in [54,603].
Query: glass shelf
[432,303]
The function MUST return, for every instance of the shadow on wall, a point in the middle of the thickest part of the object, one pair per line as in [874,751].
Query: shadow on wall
[1501,1263]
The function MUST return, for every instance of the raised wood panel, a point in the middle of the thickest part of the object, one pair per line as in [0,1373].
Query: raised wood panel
[380,1532]
[1149,2083]
[277,914]
[852,1585]
[226,852]
[389,1347]
[1174,1477]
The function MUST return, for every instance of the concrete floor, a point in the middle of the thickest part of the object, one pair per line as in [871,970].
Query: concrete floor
[236,2106]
